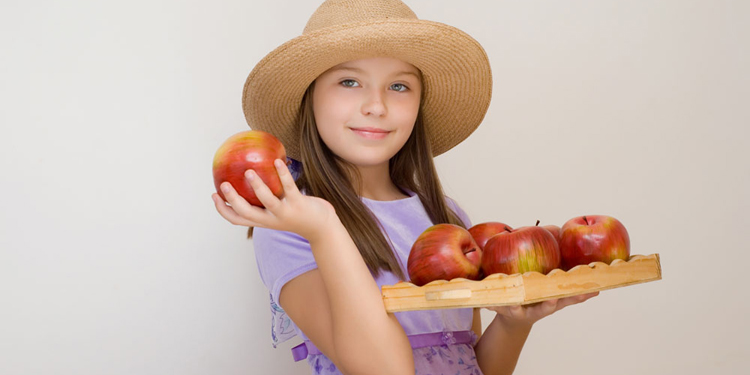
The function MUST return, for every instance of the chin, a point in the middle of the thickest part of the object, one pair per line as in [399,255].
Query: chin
[368,157]
[369,163]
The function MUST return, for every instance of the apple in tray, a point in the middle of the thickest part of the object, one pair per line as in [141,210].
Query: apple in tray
[556,232]
[526,249]
[444,252]
[593,238]
[482,232]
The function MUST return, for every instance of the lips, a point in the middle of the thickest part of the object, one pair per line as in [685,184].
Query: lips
[370,133]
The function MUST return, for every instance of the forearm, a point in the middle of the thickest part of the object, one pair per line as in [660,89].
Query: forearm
[360,322]
[500,346]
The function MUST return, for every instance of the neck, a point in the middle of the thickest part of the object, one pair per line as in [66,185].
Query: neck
[376,184]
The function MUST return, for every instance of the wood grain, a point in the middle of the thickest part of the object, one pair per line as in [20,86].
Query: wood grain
[521,289]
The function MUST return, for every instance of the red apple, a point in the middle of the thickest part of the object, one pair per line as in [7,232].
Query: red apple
[521,250]
[252,149]
[593,238]
[483,231]
[444,252]
[555,230]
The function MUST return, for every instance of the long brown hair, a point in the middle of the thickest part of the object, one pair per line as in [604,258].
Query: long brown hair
[329,177]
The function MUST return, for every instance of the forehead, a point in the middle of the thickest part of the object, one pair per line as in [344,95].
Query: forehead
[385,65]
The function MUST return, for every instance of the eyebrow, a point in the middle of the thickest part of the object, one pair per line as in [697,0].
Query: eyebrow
[358,70]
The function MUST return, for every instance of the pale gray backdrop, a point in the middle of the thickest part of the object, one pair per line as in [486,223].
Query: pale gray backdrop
[113,260]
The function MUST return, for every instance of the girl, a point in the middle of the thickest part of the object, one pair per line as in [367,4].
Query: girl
[364,99]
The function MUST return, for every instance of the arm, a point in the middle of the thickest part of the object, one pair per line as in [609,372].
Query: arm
[340,308]
[500,346]
[501,343]
[339,305]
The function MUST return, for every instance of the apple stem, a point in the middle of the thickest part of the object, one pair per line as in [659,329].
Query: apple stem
[586,220]
[537,223]
[508,229]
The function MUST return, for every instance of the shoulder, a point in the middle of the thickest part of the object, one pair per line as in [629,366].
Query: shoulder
[281,256]
[275,249]
[279,252]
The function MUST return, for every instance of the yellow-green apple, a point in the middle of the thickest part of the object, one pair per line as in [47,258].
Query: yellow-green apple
[444,252]
[525,249]
[483,231]
[593,238]
[252,149]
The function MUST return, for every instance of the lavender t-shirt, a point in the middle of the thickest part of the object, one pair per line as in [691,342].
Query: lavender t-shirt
[282,256]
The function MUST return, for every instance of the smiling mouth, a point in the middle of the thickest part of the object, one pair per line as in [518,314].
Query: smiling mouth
[371,133]
[371,130]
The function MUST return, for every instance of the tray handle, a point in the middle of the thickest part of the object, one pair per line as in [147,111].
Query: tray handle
[448,294]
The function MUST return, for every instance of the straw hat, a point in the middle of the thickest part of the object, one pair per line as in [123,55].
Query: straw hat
[457,81]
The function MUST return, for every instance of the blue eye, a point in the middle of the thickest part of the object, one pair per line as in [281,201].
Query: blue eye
[349,83]
[399,87]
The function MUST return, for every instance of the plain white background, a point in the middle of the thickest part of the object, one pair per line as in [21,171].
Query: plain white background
[114,261]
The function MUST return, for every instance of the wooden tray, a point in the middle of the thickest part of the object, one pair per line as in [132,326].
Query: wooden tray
[521,289]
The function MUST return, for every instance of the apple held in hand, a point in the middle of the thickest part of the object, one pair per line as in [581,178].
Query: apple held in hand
[521,250]
[593,238]
[252,149]
[444,252]
[482,232]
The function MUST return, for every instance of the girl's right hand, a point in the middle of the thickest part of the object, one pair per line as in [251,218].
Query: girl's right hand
[293,212]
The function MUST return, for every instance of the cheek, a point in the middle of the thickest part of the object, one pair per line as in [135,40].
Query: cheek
[325,130]
[325,117]
[328,121]
[329,109]
[406,113]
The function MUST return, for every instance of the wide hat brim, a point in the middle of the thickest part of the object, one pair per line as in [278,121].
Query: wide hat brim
[457,80]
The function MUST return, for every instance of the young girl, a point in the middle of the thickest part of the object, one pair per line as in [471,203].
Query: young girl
[364,99]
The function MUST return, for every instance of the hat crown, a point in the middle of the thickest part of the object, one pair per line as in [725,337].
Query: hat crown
[339,12]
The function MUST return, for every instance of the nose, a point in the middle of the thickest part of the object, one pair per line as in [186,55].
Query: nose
[374,104]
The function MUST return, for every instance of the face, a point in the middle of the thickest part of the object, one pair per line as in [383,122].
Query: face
[365,109]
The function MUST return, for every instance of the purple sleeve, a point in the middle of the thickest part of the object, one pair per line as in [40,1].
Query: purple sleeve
[281,256]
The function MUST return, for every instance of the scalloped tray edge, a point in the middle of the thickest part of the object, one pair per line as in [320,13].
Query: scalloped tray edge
[521,289]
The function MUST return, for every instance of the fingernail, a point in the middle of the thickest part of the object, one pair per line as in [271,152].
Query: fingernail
[249,175]
[279,163]
[225,187]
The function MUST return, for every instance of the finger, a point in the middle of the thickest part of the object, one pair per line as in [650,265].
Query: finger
[586,297]
[228,212]
[516,311]
[287,180]
[232,197]
[576,299]
[565,302]
[590,295]
[549,306]
[262,191]
[238,203]
[501,310]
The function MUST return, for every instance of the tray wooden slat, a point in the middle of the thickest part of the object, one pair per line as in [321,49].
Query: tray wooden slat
[521,289]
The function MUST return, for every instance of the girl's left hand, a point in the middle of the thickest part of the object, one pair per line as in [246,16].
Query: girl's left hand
[530,314]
